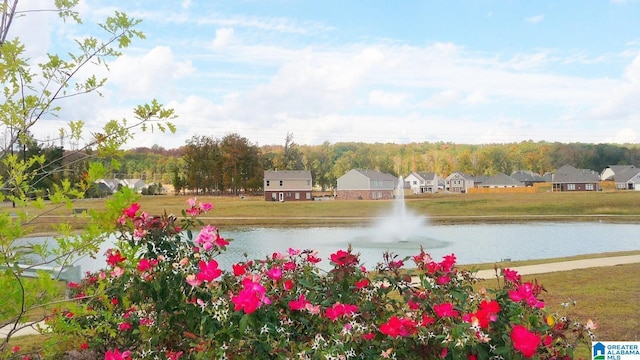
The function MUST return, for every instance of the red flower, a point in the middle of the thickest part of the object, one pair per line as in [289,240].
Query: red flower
[526,293]
[343,258]
[275,273]
[299,304]
[288,284]
[124,326]
[362,283]
[444,310]
[448,262]
[114,258]
[313,259]
[369,336]
[524,340]
[399,327]
[146,264]
[340,310]
[239,269]
[84,346]
[486,313]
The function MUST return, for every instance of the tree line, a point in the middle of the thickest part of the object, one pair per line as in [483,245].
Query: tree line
[233,164]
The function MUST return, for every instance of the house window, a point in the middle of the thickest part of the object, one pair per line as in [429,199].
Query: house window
[379,195]
[297,196]
[308,196]
[415,182]
[588,186]
[571,186]
[281,182]
[268,181]
[308,182]
[288,194]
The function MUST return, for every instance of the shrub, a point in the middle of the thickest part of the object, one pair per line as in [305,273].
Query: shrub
[162,295]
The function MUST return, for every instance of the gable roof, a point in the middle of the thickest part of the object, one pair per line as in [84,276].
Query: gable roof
[526,176]
[570,174]
[376,175]
[501,180]
[287,175]
[424,175]
[626,174]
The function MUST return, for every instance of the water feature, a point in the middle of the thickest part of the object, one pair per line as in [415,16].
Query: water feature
[400,225]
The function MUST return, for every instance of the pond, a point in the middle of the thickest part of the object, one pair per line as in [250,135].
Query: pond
[478,243]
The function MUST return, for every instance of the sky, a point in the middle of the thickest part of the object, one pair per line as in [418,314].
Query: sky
[375,71]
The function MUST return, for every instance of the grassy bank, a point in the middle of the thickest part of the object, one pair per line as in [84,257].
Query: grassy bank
[614,206]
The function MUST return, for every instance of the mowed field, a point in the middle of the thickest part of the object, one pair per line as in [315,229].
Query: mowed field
[230,211]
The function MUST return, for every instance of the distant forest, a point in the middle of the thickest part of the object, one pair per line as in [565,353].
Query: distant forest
[233,164]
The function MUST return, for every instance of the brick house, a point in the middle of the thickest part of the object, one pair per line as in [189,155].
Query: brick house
[568,178]
[359,184]
[287,185]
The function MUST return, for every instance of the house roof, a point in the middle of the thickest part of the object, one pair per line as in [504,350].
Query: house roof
[424,175]
[287,174]
[570,174]
[501,180]
[526,176]
[614,171]
[626,174]
[376,175]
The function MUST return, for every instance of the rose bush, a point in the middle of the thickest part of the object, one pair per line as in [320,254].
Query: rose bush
[163,295]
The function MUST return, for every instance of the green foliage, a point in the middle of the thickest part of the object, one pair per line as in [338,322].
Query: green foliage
[31,173]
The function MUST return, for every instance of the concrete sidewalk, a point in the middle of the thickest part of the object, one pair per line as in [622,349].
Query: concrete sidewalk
[565,266]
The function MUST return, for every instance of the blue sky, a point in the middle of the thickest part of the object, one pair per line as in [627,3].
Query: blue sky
[373,71]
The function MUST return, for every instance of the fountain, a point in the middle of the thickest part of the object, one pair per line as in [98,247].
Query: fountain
[401,225]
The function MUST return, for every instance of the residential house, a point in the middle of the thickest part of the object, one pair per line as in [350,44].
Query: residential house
[528,178]
[366,185]
[423,182]
[459,182]
[135,184]
[609,173]
[568,178]
[110,186]
[628,179]
[500,181]
[287,185]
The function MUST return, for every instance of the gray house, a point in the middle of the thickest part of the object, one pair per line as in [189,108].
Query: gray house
[500,181]
[359,184]
[628,179]
[287,185]
[610,172]
[568,178]
[528,178]
[459,182]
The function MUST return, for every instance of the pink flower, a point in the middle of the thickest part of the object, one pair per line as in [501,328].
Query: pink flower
[448,262]
[294,252]
[288,284]
[130,212]
[340,310]
[443,280]
[208,271]
[115,354]
[511,276]
[526,293]
[444,310]
[193,281]
[251,297]
[124,326]
[275,273]
[146,264]
[399,327]
[524,340]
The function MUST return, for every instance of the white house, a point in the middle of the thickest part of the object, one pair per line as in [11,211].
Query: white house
[423,182]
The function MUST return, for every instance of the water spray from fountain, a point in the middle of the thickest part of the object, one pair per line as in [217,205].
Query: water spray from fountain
[401,225]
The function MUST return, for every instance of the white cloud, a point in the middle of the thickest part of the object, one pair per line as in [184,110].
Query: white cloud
[534,19]
[386,99]
[152,73]
[223,37]
[621,100]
